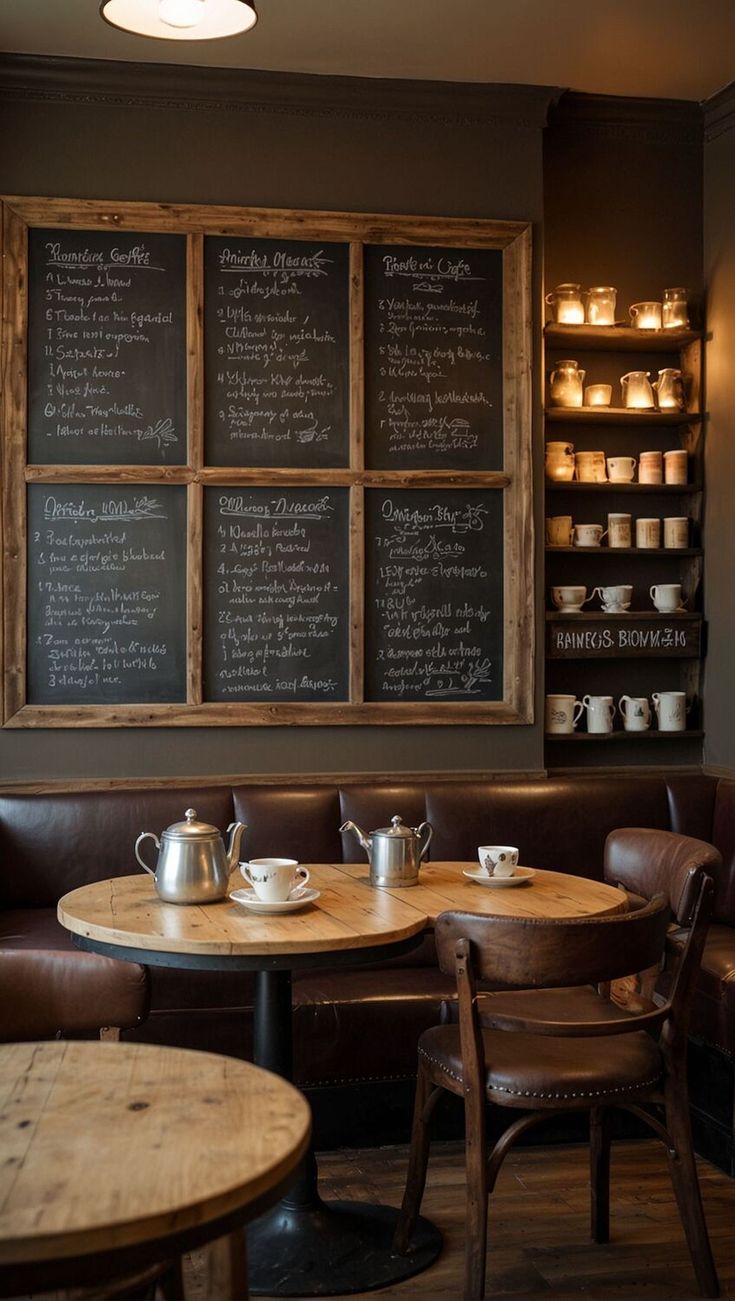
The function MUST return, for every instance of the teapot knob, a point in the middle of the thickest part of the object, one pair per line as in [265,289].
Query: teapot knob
[190,815]
[396,822]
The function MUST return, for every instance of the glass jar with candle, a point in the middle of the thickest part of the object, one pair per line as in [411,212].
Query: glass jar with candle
[669,389]
[601,305]
[646,316]
[566,305]
[566,385]
[675,313]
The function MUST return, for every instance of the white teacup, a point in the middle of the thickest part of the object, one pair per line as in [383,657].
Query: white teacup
[498,860]
[274,879]
[615,599]
[620,469]
[666,597]
[588,535]
[635,712]
[570,599]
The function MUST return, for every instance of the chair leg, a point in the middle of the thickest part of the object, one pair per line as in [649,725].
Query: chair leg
[110,1034]
[226,1268]
[418,1160]
[475,1157]
[684,1177]
[600,1174]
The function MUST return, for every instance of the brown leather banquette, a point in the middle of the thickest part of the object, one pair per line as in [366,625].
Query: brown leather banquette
[355,1029]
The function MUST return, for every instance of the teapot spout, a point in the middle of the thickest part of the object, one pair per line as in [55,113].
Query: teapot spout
[235,831]
[364,840]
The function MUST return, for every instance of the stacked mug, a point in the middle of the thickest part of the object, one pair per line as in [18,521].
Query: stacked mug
[564,711]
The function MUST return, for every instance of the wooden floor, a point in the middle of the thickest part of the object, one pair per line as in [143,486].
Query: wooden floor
[538,1224]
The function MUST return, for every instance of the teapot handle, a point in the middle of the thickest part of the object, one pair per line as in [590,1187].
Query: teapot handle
[429,831]
[146,835]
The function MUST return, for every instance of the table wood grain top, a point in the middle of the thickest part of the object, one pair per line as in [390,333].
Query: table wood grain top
[190,1137]
[350,913]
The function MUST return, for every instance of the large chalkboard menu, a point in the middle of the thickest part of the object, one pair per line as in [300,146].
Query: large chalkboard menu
[107,355]
[277,352]
[434,363]
[276,594]
[263,467]
[434,597]
[106,594]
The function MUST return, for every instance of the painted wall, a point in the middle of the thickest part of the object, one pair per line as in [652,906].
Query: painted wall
[719,253]
[117,131]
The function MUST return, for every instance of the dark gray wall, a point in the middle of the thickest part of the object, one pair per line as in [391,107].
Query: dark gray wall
[122,132]
[719,252]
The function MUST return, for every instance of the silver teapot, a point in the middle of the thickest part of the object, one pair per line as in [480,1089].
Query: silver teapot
[193,866]
[394,852]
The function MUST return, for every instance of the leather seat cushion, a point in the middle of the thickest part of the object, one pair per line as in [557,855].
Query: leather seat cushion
[713,1008]
[49,987]
[527,1070]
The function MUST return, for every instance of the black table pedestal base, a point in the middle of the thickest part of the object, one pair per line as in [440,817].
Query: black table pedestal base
[332,1249]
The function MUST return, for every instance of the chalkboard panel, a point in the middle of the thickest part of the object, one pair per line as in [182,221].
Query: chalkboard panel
[106,594]
[276,352]
[433,358]
[276,594]
[434,595]
[106,348]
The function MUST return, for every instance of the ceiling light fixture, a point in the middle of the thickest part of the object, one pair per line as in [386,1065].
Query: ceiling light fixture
[181,20]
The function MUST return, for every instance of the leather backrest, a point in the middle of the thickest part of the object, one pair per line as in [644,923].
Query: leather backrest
[50,844]
[723,836]
[648,862]
[299,822]
[373,806]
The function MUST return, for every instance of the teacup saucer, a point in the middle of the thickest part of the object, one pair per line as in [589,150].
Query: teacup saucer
[299,899]
[519,877]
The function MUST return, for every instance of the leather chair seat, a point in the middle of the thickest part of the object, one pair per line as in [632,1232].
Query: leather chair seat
[563,1072]
[713,1009]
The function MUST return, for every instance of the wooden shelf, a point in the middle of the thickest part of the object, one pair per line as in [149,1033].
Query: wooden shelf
[625,551]
[618,338]
[661,489]
[592,616]
[651,735]
[619,416]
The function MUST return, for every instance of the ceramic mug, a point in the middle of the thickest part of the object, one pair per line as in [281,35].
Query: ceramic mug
[600,713]
[620,469]
[588,535]
[648,534]
[498,860]
[671,710]
[619,530]
[615,600]
[666,597]
[676,465]
[676,531]
[589,467]
[598,395]
[569,599]
[651,467]
[635,712]
[559,531]
[562,713]
[274,879]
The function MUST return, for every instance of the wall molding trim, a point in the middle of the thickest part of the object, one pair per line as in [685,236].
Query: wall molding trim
[39,78]
[718,770]
[624,117]
[719,113]
[69,784]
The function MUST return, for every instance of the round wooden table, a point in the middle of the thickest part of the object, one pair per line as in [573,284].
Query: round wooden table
[307,1247]
[118,1155]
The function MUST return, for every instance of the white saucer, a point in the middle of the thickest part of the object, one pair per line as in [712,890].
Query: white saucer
[300,899]
[519,877]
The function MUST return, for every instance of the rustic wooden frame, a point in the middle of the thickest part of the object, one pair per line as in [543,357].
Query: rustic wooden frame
[514,481]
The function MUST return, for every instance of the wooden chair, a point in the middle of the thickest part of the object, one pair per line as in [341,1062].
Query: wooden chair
[529,1050]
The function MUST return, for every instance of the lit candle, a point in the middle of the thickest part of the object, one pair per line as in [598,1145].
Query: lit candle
[570,313]
[598,395]
[566,304]
[675,310]
[646,316]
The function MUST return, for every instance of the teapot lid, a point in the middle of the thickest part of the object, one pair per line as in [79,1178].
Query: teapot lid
[396,828]
[191,829]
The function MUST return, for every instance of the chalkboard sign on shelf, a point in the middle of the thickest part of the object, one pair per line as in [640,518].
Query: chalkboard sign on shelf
[276,352]
[433,358]
[106,594]
[106,348]
[434,595]
[276,594]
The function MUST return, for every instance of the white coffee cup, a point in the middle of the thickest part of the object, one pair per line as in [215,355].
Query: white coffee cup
[676,465]
[666,597]
[616,599]
[588,535]
[559,530]
[648,534]
[600,713]
[651,467]
[498,860]
[620,469]
[635,712]
[562,713]
[619,530]
[676,531]
[274,879]
[671,710]
[570,599]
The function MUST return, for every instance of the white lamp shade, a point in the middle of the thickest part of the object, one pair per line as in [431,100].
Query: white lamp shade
[181,20]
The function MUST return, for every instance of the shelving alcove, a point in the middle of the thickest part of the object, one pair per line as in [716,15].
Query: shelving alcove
[641,651]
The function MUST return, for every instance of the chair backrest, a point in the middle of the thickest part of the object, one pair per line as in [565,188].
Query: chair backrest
[648,862]
[541,953]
